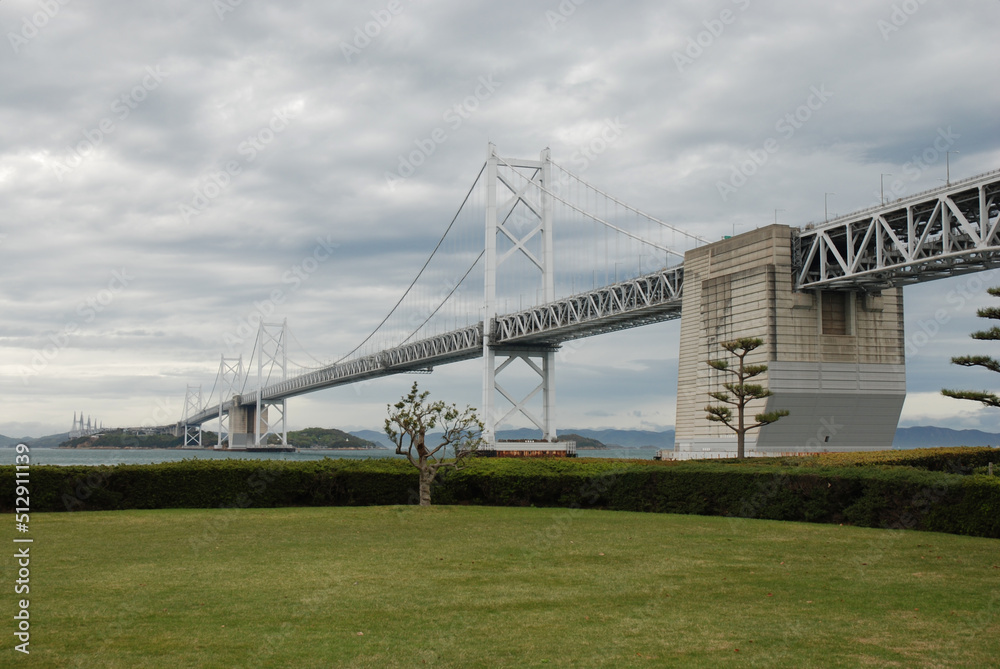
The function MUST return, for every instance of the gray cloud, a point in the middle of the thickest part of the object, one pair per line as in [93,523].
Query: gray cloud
[184,94]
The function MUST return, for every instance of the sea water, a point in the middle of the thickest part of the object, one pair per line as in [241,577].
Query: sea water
[144,456]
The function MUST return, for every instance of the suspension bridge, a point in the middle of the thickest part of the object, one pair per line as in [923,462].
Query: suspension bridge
[825,299]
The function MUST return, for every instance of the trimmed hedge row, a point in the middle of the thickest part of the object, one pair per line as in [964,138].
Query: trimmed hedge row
[214,483]
[954,460]
[887,497]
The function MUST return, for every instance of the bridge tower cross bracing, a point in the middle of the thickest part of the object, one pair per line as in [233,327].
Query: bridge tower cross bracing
[192,406]
[540,360]
[271,414]
[228,380]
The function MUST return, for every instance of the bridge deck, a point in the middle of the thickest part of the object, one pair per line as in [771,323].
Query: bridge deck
[942,232]
[646,299]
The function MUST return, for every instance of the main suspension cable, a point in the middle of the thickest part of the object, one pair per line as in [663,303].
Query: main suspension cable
[596,218]
[629,207]
[413,283]
[467,272]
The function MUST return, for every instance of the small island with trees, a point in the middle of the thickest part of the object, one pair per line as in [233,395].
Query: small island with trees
[331,439]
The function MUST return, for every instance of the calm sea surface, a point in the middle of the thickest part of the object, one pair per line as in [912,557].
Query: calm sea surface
[99,456]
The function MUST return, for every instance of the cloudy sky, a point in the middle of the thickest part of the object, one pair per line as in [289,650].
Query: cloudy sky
[164,166]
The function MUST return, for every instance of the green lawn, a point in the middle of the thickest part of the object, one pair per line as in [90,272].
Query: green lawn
[498,587]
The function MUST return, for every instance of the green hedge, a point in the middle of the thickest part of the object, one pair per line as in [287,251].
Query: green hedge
[888,497]
[954,460]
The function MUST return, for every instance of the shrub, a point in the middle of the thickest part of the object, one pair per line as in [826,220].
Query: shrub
[898,497]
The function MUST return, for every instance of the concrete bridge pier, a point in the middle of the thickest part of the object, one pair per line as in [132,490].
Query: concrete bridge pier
[835,358]
[241,424]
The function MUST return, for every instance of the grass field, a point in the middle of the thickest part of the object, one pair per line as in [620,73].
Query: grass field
[499,587]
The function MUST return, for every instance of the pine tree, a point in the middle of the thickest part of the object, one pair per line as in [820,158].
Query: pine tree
[742,392]
[993,334]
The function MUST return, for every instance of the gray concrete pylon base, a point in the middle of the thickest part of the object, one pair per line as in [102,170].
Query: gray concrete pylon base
[835,360]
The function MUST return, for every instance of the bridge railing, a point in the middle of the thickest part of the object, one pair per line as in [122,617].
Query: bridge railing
[646,299]
[941,232]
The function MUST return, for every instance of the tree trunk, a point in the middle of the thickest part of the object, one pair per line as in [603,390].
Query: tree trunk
[426,476]
[740,432]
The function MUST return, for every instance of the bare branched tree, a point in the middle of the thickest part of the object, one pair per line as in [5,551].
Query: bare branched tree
[742,392]
[408,423]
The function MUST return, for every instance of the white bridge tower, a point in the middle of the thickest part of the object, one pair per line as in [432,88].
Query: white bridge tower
[526,199]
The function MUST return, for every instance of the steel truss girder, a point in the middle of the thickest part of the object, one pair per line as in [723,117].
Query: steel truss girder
[647,299]
[943,232]
[452,346]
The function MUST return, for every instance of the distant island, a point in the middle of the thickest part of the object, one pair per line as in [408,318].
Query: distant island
[118,439]
[584,443]
[587,439]
[319,437]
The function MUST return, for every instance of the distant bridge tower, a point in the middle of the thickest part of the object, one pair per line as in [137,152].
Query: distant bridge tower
[85,426]
[835,357]
[531,203]
[228,380]
[192,405]
[250,425]
[273,356]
